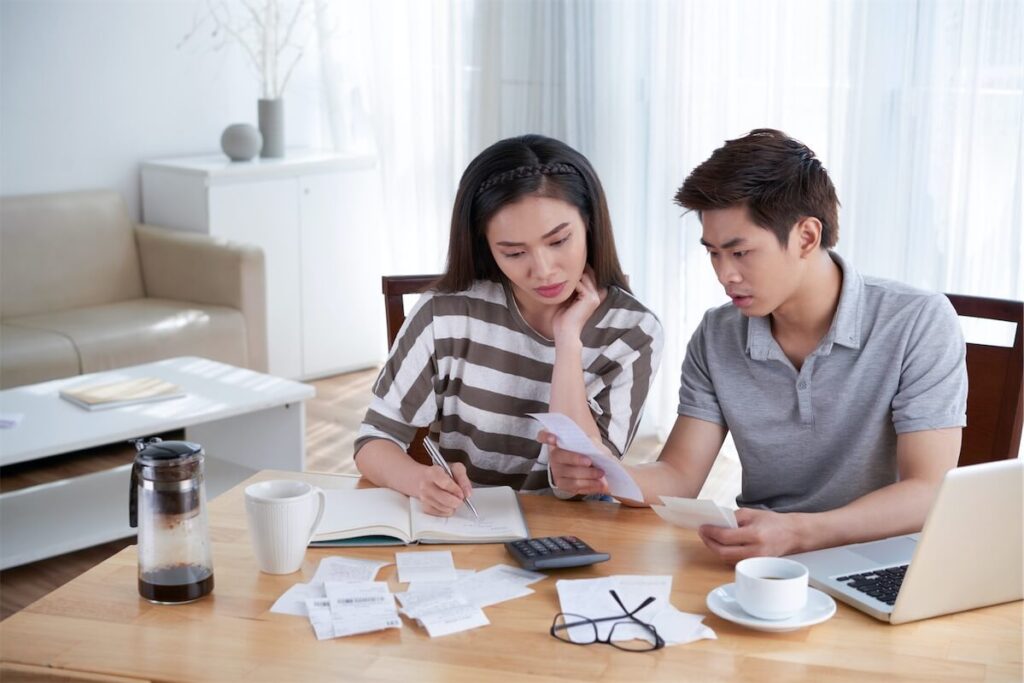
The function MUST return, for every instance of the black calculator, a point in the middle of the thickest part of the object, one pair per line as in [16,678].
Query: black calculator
[553,552]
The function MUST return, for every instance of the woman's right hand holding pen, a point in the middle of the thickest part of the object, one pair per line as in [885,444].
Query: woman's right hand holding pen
[439,494]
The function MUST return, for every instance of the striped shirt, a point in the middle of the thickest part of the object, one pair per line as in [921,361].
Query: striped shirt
[469,367]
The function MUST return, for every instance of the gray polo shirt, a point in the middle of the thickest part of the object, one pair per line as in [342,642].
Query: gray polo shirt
[816,439]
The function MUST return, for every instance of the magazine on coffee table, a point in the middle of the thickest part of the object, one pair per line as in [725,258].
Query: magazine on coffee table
[106,395]
[364,517]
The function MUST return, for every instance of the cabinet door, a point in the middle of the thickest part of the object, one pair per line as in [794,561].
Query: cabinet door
[265,213]
[342,304]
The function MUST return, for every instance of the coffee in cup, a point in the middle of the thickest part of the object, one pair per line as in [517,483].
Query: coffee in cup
[771,587]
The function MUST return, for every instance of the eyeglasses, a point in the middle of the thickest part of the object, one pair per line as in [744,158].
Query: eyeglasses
[585,630]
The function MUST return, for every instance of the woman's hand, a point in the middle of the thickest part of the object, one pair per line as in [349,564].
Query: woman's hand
[572,472]
[577,309]
[439,494]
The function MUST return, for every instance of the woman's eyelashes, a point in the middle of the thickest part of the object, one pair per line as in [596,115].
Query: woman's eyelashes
[556,243]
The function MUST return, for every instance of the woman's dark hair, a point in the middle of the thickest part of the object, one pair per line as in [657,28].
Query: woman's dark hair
[504,173]
[777,178]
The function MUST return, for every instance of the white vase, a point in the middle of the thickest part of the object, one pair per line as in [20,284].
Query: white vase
[271,118]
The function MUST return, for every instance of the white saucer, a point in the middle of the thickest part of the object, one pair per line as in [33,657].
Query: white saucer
[820,607]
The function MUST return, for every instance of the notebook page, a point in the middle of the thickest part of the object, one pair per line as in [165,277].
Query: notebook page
[351,513]
[500,519]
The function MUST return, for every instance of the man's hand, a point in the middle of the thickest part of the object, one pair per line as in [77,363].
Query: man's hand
[439,494]
[572,472]
[761,533]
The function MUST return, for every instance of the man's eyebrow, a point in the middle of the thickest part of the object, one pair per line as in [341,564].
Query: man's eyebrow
[549,233]
[734,242]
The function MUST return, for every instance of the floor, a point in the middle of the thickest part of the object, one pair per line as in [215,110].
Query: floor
[332,421]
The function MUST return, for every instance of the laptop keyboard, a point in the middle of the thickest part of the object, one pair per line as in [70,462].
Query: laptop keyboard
[881,584]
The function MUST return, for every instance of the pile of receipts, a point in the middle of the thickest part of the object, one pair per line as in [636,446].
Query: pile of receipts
[343,599]
[592,598]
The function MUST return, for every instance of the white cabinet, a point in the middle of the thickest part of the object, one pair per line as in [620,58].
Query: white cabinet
[316,216]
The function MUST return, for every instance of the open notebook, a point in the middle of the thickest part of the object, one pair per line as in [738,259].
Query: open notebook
[386,517]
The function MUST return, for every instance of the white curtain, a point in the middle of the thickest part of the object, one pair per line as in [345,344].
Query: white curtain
[916,108]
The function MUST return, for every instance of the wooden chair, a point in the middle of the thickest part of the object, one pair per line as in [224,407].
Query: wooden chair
[994,376]
[395,287]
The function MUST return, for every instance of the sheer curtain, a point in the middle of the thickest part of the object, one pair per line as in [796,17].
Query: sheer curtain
[916,109]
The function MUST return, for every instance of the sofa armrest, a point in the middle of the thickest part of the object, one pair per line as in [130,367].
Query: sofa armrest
[198,268]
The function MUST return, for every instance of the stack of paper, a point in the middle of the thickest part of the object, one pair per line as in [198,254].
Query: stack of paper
[691,513]
[449,606]
[123,393]
[343,599]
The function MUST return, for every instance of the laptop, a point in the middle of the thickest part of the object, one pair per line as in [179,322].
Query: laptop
[968,555]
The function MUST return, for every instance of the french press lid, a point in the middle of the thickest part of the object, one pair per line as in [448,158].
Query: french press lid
[160,460]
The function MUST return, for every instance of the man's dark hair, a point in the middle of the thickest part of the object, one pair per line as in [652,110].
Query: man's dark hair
[777,178]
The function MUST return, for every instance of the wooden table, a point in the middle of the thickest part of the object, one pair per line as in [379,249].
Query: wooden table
[97,628]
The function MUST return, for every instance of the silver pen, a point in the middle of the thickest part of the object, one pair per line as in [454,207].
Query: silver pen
[435,455]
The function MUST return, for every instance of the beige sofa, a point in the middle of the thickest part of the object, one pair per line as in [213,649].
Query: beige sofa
[83,289]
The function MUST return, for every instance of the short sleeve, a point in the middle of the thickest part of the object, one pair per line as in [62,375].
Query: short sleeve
[932,390]
[697,397]
[403,395]
[626,369]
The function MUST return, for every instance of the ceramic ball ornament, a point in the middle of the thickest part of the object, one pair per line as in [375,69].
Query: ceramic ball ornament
[241,141]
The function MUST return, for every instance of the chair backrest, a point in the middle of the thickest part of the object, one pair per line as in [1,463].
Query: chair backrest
[994,376]
[395,287]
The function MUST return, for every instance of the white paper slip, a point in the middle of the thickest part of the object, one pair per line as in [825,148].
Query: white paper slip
[353,608]
[417,586]
[435,565]
[453,617]
[485,588]
[337,568]
[517,575]
[691,513]
[571,438]
[293,600]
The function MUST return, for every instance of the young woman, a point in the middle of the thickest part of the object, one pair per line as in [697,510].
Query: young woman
[532,314]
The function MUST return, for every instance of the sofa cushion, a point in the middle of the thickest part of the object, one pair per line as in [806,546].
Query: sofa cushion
[66,250]
[28,356]
[145,330]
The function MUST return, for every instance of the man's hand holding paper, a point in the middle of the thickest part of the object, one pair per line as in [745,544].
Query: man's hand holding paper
[582,466]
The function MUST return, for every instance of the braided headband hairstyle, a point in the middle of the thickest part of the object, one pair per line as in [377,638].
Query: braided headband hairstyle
[525,172]
[504,173]
[777,178]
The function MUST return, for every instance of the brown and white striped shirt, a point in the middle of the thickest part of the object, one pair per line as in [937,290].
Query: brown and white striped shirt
[469,366]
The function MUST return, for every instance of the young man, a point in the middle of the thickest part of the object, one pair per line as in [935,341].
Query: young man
[845,394]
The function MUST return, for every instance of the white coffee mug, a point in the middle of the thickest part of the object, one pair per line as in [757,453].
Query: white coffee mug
[283,516]
[771,587]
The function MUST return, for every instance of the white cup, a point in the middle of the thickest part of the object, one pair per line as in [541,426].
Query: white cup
[283,516]
[771,587]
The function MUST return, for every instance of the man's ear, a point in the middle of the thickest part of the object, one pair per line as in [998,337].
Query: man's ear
[807,233]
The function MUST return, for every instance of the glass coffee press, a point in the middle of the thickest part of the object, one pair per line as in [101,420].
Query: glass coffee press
[168,505]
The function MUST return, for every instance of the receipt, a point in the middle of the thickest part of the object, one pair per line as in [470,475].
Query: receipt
[352,608]
[293,600]
[572,438]
[691,513]
[337,568]
[436,565]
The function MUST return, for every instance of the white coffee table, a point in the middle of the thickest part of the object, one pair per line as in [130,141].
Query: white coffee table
[246,421]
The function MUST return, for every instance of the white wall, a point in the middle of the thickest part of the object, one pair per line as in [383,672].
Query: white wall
[89,88]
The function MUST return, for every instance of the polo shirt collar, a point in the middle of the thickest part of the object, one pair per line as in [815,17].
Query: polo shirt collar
[845,329]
